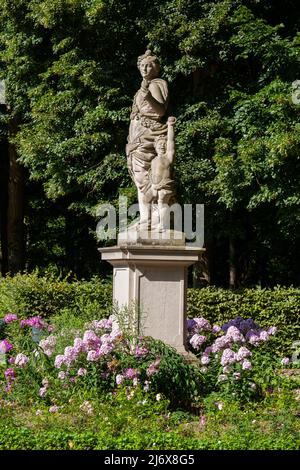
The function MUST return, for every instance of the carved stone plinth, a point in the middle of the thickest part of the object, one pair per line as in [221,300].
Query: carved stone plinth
[154,278]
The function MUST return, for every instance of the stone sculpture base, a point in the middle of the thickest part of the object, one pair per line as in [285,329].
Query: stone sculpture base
[154,279]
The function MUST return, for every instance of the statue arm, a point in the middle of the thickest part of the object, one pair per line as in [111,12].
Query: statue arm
[156,99]
[171,140]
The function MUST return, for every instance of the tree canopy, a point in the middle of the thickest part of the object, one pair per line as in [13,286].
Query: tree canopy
[70,72]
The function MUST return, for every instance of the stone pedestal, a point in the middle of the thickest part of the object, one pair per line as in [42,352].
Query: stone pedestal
[154,279]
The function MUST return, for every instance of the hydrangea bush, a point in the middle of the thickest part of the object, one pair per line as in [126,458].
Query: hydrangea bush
[46,363]
[232,355]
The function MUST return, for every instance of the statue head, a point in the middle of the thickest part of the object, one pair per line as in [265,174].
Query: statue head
[160,145]
[148,65]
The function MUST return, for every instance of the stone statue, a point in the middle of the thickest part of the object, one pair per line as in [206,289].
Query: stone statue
[151,149]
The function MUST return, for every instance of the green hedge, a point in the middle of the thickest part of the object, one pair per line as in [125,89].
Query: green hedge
[30,294]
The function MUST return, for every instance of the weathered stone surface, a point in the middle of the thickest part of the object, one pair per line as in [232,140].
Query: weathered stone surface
[154,279]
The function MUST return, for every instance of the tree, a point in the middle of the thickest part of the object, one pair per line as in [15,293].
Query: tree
[71,72]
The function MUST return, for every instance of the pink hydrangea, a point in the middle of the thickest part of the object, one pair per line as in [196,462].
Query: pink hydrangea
[81,372]
[42,391]
[264,335]
[221,343]
[79,345]
[106,348]
[228,357]
[119,379]
[153,367]
[10,317]
[59,361]
[234,333]
[48,345]
[197,340]
[91,340]
[285,361]
[5,346]
[54,409]
[253,337]
[131,373]
[246,365]
[201,324]
[272,330]
[140,351]
[92,356]
[216,329]
[243,353]
[205,360]
[21,360]
[104,324]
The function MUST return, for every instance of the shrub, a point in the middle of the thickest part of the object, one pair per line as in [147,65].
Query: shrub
[31,294]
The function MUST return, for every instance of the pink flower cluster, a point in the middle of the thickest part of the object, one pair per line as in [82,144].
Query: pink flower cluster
[5,346]
[90,347]
[10,317]
[35,322]
[48,345]
[21,360]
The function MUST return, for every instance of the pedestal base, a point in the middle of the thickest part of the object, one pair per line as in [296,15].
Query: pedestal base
[154,279]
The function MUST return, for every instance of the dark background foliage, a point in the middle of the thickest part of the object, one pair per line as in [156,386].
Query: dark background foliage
[70,72]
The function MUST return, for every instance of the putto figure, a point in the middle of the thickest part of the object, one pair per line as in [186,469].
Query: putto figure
[150,149]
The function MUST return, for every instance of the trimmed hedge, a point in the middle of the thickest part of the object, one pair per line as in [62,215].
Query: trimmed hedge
[30,294]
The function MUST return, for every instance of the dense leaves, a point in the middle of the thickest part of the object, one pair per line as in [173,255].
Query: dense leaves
[70,68]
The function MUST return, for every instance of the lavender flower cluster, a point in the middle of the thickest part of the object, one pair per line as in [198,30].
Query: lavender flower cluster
[230,344]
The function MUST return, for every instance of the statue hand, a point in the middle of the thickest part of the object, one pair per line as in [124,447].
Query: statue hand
[171,120]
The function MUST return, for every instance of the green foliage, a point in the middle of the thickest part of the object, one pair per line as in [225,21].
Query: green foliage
[279,307]
[131,425]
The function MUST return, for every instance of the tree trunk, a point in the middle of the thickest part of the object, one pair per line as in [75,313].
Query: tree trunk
[15,210]
[4,172]
[232,265]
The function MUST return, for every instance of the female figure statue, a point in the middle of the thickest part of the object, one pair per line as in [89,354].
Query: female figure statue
[147,129]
